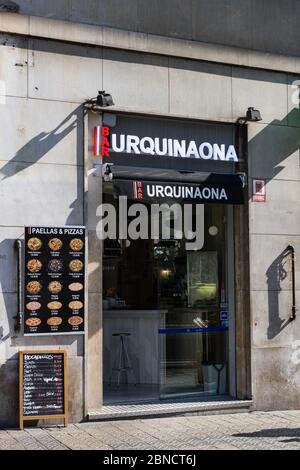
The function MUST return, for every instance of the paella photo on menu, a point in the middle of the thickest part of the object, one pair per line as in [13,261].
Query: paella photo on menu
[54,280]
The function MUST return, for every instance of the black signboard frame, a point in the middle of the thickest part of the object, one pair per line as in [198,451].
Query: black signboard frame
[22,376]
[43,298]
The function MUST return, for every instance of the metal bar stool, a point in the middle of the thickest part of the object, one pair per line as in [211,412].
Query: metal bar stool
[219,368]
[123,360]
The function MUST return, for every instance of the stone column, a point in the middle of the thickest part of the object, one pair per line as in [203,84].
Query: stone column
[94,349]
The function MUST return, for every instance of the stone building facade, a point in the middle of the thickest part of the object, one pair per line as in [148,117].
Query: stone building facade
[192,61]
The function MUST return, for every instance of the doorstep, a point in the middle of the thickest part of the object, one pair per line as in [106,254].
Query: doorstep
[174,408]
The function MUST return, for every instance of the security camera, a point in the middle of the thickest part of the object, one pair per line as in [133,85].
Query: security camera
[107,172]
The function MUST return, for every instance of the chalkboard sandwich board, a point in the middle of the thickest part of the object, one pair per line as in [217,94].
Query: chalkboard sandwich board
[43,385]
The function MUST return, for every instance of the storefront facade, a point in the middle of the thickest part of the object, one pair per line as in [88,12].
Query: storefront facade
[174,297]
[214,320]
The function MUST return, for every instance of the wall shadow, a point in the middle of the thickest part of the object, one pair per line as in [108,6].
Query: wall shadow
[277,141]
[277,273]
[292,433]
[36,148]
[254,25]
[30,154]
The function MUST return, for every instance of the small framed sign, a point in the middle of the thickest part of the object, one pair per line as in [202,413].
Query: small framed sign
[259,190]
[43,386]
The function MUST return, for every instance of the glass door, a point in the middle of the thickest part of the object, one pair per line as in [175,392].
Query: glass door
[193,288]
[166,314]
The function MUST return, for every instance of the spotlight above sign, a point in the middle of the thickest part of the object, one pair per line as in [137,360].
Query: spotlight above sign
[102,100]
[252,115]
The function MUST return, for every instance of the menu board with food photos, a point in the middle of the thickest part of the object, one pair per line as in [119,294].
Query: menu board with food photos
[54,280]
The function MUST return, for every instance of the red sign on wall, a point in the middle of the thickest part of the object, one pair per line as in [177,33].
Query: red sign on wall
[101,141]
[138,190]
[259,190]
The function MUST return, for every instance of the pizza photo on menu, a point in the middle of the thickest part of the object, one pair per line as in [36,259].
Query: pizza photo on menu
[34,287]
[55,287]
[54,305]
[34,244]
[54,321]
[76,244]
[75,287]
[75,321]
[34,265]
[33,306]
[33,322]
[76,266]
[76,305]
[55,244]
[55,265]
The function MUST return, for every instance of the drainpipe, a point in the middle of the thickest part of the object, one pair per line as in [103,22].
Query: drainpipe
[19,317]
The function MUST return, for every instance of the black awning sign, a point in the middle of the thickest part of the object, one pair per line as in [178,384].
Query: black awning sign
[205,193]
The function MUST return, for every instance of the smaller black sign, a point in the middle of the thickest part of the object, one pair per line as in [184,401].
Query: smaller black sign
[54,280]
[42,384]
[203,193]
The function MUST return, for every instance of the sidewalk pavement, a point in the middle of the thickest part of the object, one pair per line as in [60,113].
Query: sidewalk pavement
[258,430]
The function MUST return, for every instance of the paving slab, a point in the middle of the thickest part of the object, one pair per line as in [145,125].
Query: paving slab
[251,431]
